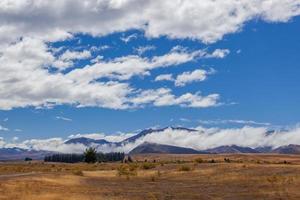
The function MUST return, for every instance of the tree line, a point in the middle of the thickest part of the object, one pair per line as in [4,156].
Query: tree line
[90,156]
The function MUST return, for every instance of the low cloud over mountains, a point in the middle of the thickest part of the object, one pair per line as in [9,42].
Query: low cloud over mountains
[199,139]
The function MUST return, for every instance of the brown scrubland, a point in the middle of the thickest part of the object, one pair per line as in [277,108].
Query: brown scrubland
[161,177]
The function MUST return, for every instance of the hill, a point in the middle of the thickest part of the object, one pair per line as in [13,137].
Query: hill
[146,148]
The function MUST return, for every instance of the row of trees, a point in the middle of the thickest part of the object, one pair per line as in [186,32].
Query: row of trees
[67,158]
[90,156]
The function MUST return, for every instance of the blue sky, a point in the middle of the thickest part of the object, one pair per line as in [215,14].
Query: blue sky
[256,80]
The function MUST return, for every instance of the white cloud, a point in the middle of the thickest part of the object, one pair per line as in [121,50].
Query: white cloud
[201,139]
[184,119]
[231,121]
[164,77]
[205,138]
[164,97]
[205,20]
[99,48]
[66,59]
[129,38]
[181,80]
[194,76]
[63,118]
[142,49]
[218,53]
[2,128]
[123,68]
[97,136]
[26,79]
[75,55]
[27,27]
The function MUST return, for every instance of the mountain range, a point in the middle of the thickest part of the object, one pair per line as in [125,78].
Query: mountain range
[148,147]
[20,154]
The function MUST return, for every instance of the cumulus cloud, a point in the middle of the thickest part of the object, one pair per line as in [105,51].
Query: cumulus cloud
[27,27]
[204,20]
[193,76]
[75,55]
[181,80]
[164,97]
[218,53]
[123,68]
[164,77]
[26,79]
[31,72]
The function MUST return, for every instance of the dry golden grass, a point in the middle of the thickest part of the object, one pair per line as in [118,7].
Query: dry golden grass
[170,177]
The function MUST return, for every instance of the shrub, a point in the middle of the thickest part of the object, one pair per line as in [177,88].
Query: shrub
[125,171]
[152,178]
[184,168]
[148,166]
[158,173]
[198,160]
[133,167]
[78,173]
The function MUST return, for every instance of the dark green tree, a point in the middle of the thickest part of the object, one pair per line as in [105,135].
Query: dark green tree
[90,155]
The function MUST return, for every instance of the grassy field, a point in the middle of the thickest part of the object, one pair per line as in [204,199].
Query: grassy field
[156,177]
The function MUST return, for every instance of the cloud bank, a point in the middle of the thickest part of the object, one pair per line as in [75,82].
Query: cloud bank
[201,139]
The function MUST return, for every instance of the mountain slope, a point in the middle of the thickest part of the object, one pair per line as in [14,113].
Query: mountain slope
[265,149]
[86,141]
[232,149]
[20,154]
[149,131]
[289,149]
[161,148]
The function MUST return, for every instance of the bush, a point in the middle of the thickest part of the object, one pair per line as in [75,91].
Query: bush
[78,173]
[184,168]
[198,160]
[148,166]
[126,171]
[133,167]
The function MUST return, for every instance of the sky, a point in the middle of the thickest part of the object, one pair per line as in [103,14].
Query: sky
[72,67]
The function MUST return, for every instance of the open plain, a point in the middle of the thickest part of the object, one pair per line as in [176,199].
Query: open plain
[241,176]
